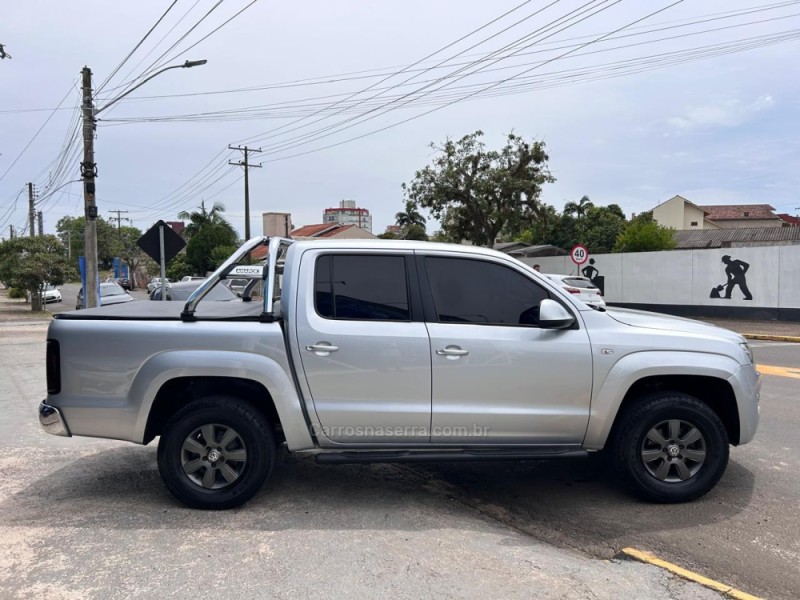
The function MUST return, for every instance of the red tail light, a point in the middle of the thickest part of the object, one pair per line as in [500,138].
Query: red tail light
[573,290]
[53,367]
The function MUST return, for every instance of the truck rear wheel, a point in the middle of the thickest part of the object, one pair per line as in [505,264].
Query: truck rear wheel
[671,447]
[216,453]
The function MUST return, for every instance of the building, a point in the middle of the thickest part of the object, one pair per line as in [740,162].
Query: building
[684,215]
[177,226]
[277,224]
[679,213]
[737,237]
[332,230]
[348,214]
[789,220]
[734,216]
[394,229]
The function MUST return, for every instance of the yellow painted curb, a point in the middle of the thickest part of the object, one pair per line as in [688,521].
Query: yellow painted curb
[723,588]
[772,338]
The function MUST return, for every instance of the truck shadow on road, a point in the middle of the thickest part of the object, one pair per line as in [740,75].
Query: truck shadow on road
[569,503]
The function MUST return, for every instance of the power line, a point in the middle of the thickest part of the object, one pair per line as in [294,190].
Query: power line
[135,48]
[35,135]
[461,98]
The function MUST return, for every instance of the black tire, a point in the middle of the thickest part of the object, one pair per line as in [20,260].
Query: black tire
[212,485]
[656,475]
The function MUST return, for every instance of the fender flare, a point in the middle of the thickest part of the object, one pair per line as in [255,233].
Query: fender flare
[164,367]
[631,368]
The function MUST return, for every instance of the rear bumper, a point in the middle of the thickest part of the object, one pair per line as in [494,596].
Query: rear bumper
[51,420]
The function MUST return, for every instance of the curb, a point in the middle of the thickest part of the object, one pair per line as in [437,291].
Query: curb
[772,338]
[650,559]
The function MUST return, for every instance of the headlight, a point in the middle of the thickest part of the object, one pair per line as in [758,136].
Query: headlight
[748,351]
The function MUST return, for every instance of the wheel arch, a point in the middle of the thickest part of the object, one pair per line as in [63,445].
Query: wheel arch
[167,381]
[703,376]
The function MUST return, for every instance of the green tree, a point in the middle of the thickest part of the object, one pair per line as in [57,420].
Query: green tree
[201,246]
[126,249]
[178,268]
[475,192]
[202,217]
[415,232]
[70,231]
[388,235]
[644,234]
[409,216]
[578,209]
[28,263]
[601,228]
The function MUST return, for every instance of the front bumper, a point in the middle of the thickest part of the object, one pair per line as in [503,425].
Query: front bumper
[51,420]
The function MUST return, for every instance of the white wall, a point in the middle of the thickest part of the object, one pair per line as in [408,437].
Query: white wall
[686,277]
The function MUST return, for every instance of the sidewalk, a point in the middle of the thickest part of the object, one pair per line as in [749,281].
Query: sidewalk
[18,311]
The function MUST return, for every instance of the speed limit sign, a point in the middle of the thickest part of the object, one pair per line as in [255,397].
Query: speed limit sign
[579,254]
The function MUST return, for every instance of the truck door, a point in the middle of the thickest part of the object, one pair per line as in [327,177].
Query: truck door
[497,377]
[364,349]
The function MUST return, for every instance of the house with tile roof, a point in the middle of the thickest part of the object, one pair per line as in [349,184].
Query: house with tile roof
[683,215]
[680,213]
[735,216]
[322,231]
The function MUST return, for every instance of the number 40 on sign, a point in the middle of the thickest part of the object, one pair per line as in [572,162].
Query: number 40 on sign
[579,254]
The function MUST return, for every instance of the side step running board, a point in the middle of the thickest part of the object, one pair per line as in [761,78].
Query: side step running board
[340,458]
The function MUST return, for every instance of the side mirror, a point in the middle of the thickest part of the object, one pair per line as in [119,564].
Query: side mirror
[554,316]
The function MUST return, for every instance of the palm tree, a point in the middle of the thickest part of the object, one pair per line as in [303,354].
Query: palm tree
[410,216]
[201,217]
[579,208]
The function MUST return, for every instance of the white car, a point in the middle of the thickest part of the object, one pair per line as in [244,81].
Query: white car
[50,294]
[155,282]
[192,278]
[582,287]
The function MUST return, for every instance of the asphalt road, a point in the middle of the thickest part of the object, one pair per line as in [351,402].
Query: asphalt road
[90,518]
[746,532]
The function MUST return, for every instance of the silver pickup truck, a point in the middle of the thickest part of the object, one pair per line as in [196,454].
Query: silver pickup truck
[381,351]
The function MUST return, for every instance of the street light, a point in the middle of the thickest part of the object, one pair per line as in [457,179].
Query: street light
[89,173]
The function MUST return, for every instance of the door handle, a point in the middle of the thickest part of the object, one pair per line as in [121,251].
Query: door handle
[452,351]
[322,347]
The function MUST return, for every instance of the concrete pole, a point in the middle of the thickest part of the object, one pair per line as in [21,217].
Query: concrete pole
[88,172]
[31,212]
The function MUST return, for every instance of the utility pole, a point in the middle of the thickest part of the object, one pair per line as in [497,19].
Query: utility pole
[247,166]
[119,221]
[11,231]
[89,173]
[31,211]
[40,217]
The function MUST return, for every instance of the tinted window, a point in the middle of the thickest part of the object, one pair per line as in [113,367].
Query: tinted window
[474,291]
[367,288]
[577,282]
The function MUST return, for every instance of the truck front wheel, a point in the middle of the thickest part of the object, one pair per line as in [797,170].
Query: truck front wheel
[671,447]
[216,452]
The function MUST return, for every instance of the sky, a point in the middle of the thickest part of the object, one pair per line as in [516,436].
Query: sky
[699,100]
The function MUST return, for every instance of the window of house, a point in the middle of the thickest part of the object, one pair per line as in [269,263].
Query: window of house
[693,224]
[360,287]
[746,214]
[475,291]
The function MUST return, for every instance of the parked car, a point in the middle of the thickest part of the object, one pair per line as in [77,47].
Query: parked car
[237,286]
[192,278]
[124,283]
[183,289]
[396,351]
[155,282]
[50,293]
[581,287]
[110,293]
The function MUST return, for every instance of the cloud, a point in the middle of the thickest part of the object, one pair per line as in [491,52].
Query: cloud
[728,114]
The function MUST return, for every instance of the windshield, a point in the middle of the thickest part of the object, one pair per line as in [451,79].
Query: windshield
[111,289]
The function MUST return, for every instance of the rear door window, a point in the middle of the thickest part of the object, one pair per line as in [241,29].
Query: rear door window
[361,287]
